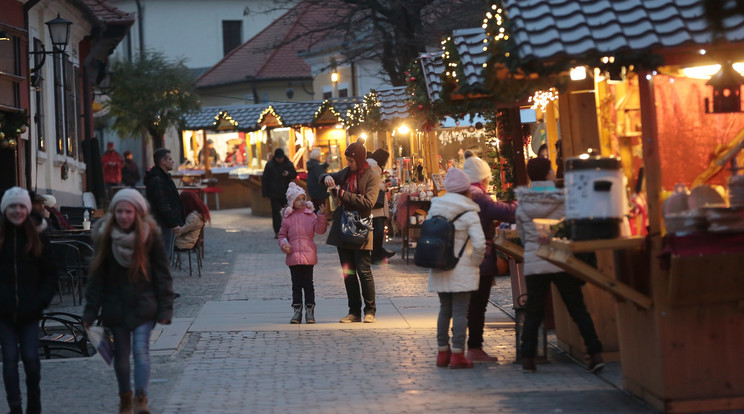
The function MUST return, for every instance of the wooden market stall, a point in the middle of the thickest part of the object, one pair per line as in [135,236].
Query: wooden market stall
[679,288]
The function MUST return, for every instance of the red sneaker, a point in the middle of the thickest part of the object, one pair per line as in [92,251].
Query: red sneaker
[443,358]
[458,360]
[479,355]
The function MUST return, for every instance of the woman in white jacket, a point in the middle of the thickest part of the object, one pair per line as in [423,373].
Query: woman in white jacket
[454,286]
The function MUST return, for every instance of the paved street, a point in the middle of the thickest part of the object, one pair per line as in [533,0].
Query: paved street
[231,348]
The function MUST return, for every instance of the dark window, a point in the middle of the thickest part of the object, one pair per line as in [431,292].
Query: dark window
[232,35]
[327,95]
[10,72]
[343,93]
[59,107]
[39,97]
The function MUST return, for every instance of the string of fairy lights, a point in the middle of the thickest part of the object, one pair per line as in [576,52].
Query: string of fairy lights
[223,116]
[270,111]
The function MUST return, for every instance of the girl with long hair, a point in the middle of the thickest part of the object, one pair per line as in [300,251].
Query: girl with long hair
[197,214]
[28,280]
[131,285]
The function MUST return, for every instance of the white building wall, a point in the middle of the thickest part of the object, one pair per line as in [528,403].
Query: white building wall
[192,29]
[46,175]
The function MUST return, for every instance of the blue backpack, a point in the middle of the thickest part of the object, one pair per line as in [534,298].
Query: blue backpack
[436,244]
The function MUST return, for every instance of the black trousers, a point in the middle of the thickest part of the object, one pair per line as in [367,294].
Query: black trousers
[357,271]
[569,287]
[302,281]
[378,236]
[477,311]
[276,213]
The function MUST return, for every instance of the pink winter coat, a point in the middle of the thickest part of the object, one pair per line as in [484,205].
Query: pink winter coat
[298,229]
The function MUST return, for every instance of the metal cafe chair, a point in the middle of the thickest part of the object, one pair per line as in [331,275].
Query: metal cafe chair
[70,269]
[198,250]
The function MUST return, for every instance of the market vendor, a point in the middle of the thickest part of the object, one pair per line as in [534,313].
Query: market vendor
[210,152]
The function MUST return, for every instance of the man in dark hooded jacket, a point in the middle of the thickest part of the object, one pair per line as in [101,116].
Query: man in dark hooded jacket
[277,175]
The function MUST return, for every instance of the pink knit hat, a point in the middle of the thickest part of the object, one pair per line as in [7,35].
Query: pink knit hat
[456,181]
[293,192]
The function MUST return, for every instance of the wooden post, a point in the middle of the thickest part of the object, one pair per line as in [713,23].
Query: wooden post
[514,129]
[651,160]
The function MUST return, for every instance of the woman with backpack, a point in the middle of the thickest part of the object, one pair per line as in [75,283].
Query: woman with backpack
[454,286]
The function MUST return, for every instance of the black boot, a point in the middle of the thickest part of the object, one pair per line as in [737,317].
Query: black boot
[309,313]
[16,408]
[297,317]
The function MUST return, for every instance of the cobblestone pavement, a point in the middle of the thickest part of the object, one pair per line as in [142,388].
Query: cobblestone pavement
[329,368]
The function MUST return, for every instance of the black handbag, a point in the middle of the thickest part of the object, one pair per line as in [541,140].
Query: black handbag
[380,203]
[354,228]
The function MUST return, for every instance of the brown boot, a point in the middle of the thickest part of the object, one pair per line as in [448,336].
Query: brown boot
[125,403]
[529,364]
[140,405]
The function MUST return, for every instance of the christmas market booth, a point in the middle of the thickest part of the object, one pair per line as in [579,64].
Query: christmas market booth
[450,94]
[654,88]
[240,140]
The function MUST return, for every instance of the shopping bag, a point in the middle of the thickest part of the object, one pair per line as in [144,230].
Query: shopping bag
[102,342]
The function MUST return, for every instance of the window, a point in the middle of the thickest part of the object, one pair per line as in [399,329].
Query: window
[343,93]
[39,102]
[59,124]
[65,106]
[232,35]
[10,73]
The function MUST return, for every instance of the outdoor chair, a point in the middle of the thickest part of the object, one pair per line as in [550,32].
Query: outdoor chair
[198,251]
[70,269]
[61,331]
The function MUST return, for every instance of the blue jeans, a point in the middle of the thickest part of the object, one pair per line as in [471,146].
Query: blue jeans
[27,336]
[138,342]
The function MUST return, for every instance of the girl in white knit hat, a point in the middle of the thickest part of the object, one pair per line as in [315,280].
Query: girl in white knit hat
[28,281]
[130,289]
[299,225]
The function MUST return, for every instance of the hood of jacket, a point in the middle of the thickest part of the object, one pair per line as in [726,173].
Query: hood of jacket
[541,200]
[451,204]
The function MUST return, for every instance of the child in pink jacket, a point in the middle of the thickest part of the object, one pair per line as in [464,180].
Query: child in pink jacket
[299,225]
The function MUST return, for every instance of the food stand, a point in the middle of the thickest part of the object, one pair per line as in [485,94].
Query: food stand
[680,295]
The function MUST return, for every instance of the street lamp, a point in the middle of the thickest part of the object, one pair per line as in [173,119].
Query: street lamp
[59,31]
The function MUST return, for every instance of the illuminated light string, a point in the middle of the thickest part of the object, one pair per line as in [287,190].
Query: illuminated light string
[541,99]
[267,111]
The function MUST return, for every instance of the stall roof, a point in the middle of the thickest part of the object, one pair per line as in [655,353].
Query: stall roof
[245,115]
[393,103]
[554,29]
[471,50]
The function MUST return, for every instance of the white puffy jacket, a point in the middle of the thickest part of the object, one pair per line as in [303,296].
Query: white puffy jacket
[540,200]
[464,277]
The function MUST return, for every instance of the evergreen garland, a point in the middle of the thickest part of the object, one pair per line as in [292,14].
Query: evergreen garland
[12,125]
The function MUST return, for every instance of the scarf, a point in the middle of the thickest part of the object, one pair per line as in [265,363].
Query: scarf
[352,179]
[122,244]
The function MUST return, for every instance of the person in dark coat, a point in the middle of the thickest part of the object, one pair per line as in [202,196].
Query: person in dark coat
[355,188]
[164,198]
[277,175]
[131,286]
[129,171]
[28,281]
[318,192]
[479,173]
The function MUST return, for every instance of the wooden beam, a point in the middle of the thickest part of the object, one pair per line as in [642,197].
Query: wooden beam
[633,242]
[651,158]
[563,258]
